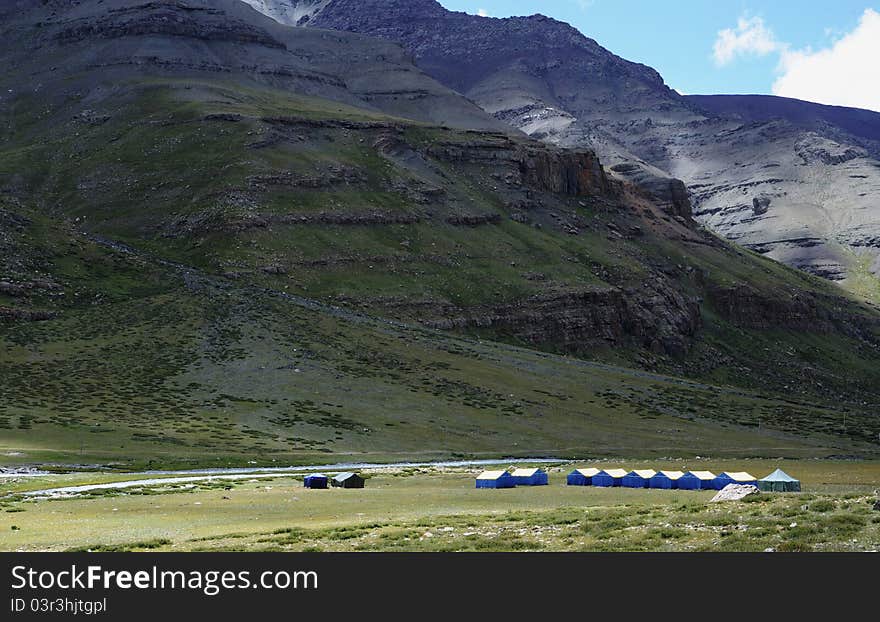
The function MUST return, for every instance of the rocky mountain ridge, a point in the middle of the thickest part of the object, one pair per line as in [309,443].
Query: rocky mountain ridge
[340,156]
[812,172]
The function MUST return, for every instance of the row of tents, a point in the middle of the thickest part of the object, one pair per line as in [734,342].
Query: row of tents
[778,481]
[343,480]
[506,479]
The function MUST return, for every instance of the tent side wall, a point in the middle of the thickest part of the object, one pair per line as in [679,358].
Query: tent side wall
[319,483]
[688,482]
[779,486]
[578,479]
[691,482]
[721,481]
[538,479]
[661,482]
[605,481]
[635,481]
[501,482]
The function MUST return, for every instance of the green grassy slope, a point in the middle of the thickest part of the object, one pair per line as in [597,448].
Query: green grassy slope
[252,212]
[191,369]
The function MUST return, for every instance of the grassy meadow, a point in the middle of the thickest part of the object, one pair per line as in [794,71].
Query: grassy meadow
[440,510]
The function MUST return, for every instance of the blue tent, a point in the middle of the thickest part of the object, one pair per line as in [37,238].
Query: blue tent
[666,480]
[638,479]
[696,480]
[530,477]
[496,479]
[318,480]
[581,477]
[743,479]
[609,478]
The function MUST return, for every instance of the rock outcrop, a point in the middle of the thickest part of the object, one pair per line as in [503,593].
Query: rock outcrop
[175,19]
[658,318]
[571,173]
[734,492]
[557,171]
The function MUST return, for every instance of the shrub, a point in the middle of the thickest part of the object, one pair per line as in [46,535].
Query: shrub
[822,506]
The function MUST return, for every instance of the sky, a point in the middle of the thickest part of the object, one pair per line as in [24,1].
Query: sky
[827,51]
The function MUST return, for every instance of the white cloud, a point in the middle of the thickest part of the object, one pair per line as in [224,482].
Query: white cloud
[482,12]
[845,74]
[751,37]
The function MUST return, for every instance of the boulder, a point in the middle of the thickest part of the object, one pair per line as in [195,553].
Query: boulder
[761,205]
[734,492]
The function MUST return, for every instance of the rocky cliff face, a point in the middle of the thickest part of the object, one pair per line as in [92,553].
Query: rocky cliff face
[659,319]
[817,167]
[747,308]
[293,12]
[169,19]
[566,172]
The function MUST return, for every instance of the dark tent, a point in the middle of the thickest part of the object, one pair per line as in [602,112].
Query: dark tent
[348,480]
[779,481]
[581,477]
[496,479]
[609,478]
[696,480]
[530,477]
[665,480]
[638,479]
[742,479]
[318,480]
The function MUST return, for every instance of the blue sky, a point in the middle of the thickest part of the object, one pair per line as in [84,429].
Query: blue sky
[766,39]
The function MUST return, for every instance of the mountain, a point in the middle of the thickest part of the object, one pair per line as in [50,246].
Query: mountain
[783,179]
[862,126]
[226,38]
[223,239]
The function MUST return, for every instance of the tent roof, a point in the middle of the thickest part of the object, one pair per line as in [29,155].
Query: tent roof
[672,474]
[740,476]
[702,474]
[588,472]
[344,476]
[492,474]
[615,473]
[779,476]
[644,473]
[316,475]
[526,472]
